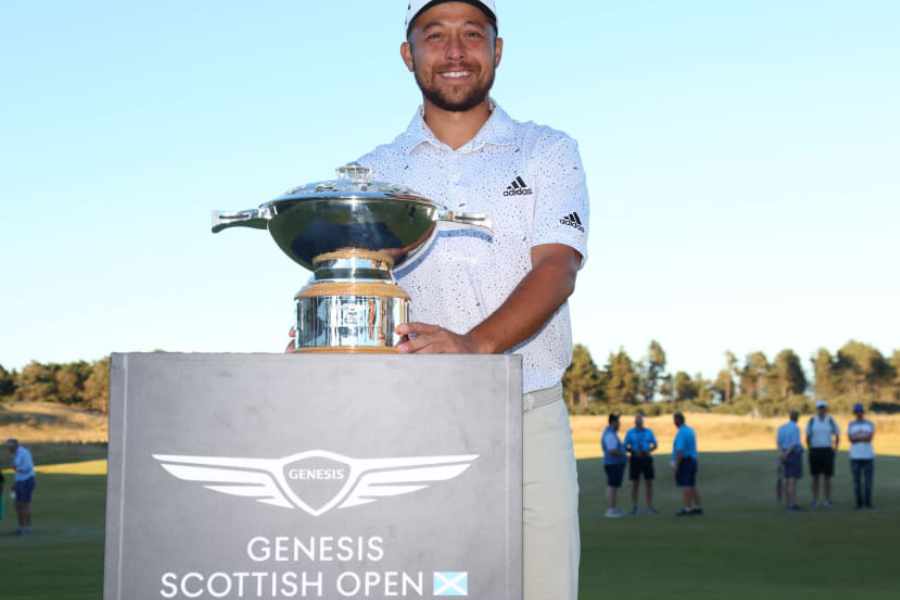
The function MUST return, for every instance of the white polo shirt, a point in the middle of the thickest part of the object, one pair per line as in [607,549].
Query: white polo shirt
[530,181]
[821,431]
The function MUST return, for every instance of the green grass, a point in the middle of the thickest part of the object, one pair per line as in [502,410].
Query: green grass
[744,548]
[63,558]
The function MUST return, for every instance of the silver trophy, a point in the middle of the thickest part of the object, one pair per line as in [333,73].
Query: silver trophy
[351,232]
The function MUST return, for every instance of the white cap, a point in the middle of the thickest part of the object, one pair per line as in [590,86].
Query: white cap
[417,6]
[821,404]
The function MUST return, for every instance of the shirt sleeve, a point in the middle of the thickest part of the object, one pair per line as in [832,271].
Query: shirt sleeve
[562,208]
[653,441]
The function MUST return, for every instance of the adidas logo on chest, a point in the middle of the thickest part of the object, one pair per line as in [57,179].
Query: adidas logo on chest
[518,188]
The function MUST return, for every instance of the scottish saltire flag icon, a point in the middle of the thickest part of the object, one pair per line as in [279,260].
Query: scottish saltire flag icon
[449,583]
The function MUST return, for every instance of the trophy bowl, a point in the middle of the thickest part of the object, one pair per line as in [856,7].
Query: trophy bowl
[351,232]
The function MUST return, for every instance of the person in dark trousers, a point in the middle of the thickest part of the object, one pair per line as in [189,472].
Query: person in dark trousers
[24,484]
[2,497]
[684,459]
[614,465]
[861,432]
[640,444]
[790,456]
[822,438]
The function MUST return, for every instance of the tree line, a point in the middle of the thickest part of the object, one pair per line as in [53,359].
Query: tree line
[857,372]
[81,383]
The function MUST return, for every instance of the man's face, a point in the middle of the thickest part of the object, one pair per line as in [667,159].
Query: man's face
[822,411]
[639,422]
[454,52]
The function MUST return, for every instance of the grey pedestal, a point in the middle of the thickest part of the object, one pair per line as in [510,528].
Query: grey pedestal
[314,476]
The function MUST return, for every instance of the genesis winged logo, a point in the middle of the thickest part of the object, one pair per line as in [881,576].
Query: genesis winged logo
[316,481]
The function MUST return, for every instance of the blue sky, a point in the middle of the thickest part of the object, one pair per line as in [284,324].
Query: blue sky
[741,158]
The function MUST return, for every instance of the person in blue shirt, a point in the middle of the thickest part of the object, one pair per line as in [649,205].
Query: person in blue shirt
[614,465]
[2,497]
[684,459]
[640,444]
[790,456]
[24,483]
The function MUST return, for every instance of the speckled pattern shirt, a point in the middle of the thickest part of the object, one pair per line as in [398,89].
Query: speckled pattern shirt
[530,181]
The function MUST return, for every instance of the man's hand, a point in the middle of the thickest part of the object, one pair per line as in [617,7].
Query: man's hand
[431,339]
[291,348]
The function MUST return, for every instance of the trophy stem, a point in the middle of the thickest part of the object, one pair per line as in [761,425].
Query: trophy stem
[353,265]
[352,304]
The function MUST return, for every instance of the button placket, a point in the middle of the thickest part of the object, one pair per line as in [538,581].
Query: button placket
[457,190]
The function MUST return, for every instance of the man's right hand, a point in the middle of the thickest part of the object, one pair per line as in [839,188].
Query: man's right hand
[291,347]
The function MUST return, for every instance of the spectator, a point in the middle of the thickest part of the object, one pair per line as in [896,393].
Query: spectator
[862,456]
[790,457]
[822,438]
[640,443]
[614,465]
[24,484]
[685,461]
[2,497]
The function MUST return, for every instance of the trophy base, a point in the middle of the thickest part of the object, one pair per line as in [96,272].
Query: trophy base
[347,350]
[352,317]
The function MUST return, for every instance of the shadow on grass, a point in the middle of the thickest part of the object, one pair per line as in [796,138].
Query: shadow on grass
[746,545]
[63,558]
[55,453]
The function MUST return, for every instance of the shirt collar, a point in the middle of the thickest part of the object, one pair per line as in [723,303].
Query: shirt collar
[498,130]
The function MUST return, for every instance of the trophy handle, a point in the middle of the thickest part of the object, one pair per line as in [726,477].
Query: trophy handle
[257,218]
[468,219]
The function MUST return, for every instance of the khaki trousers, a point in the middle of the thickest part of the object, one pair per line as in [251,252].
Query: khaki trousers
[552,545]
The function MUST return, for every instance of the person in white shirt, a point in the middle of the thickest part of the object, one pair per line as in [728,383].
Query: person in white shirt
[822,438]
[24,483]
[861,432]
[500,293]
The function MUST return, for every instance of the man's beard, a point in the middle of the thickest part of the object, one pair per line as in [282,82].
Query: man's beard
[476,95]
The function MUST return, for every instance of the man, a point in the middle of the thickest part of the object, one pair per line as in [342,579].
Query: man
[685,461]
[640,444]
[861,432]
[508,292]
[614,465]
[822,439]
[24,484]
[790,457]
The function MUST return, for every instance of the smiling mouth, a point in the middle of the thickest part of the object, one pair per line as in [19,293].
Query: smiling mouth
[456,75]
